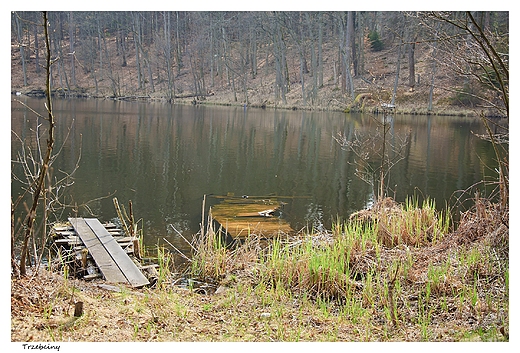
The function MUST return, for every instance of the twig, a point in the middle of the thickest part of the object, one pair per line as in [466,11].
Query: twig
[180,234]
[180,252]
[120,215]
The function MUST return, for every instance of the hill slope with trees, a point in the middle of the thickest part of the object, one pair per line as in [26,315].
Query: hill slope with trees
[424,63]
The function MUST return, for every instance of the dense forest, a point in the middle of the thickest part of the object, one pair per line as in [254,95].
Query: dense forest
[438,62]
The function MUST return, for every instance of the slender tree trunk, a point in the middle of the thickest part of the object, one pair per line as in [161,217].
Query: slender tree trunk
[93,57]
[314,61]
[348,52]
[36,47]
[302,77]
[361,41]
[100,48]
[254,52]
[122,42]
[168,56]
[320,49]
[434,71]
[342,57]
[411,63]
[397,70]
[137,41]
[21,45]
[40,183]
[62,74]
[71,49]
[280,63]
[352,30]
[178,44]
[211,51]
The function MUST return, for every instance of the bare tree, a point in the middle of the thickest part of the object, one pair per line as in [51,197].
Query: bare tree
[41,190]
[375,154]
[38,183]
[482,55]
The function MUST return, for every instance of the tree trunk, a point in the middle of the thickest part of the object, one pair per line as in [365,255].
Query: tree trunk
[434,71]
[411,63]
[100,48]
[342,57]
[254,52]
[397,70]
[71,49]
[320,49]
[348,53]
[21,45]
[40,181]
[280,63]
[178,44]
[36,47]
[168,56]
[122,42]
[62,74]
[137,39]
[352,31]
[314,60]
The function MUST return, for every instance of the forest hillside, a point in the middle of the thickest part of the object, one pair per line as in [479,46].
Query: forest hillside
[424,63]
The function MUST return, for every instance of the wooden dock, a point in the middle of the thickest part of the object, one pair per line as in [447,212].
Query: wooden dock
[109,256]
[242,216]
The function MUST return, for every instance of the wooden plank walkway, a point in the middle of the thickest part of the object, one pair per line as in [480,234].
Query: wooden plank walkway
[112,260]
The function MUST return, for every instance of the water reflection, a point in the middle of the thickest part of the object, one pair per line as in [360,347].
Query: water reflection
[166,158]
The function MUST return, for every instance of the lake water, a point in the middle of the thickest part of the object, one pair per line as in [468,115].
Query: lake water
[165,158]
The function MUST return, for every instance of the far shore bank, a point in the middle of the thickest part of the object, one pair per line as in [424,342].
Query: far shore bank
[215,100]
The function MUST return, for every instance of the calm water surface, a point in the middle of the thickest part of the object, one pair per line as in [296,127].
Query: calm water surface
[165,158]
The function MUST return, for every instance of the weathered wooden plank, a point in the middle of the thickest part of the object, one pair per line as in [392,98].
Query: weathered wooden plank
[134,276]
[63,228]
[104,260]
[69,242]
[124,239]
[91,276]
[243,216]
[65,233]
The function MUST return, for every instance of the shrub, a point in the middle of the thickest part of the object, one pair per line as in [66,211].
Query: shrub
[375,42]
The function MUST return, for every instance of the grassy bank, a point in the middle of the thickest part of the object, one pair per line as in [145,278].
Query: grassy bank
[392,273]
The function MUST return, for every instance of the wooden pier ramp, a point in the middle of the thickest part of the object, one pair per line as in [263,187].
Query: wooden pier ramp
[113,262]
[241,216]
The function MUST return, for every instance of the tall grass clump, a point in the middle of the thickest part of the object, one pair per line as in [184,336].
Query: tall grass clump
[410,223]
[213,258]
[322,266]
[210,258]
[164,262]
[318,271]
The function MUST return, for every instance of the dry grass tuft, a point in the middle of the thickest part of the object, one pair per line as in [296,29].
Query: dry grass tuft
[485,220]
[409,224]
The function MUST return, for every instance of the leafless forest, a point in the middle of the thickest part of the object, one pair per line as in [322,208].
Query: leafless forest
[312,60]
